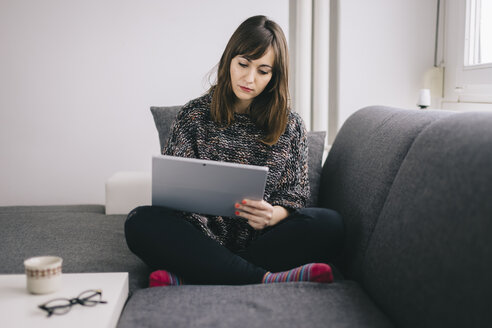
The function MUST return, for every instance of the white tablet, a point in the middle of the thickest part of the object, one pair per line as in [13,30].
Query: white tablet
[203,186]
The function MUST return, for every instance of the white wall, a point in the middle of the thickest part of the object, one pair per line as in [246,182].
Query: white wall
[77,79]
[385,47]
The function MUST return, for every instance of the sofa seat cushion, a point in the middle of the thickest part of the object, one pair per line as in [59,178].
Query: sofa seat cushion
[86,239]
[303,304]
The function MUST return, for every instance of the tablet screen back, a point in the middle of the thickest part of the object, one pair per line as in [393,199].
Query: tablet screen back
[203,186]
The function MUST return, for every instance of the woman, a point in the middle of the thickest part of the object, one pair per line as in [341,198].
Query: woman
[244,118]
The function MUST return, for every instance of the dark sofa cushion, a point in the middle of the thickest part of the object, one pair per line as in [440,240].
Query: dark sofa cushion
[429,261]
[360,170]
[164,116]
[86,239]
[275,305]
[316,147]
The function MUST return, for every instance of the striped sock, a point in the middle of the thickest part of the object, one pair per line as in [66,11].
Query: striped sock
[164,278]
[314,272]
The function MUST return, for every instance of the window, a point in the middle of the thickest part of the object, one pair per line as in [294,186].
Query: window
[467,55]
[478,42]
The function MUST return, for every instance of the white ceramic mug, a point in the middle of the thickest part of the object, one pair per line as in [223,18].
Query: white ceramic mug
[44,274]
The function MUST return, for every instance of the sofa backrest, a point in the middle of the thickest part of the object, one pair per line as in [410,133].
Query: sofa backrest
[429,261]
[164,116]
[360,169]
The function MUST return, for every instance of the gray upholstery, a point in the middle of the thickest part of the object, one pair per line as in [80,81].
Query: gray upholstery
[164,116]
[86,239]
[430,258]
[316,146]
[342,304]
[360,169]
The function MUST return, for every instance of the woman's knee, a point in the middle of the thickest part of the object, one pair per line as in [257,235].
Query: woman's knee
[144,221]
[134,217]
[320,214]
[142,214]
[138,223]
[131,225]
[137,213]
[323,221]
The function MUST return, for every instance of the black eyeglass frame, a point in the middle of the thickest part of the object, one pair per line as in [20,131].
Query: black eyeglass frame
[84,301]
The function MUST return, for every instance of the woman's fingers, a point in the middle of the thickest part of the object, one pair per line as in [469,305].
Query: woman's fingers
[258,213]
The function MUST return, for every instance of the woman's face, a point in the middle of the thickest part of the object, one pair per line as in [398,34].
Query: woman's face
[250,77]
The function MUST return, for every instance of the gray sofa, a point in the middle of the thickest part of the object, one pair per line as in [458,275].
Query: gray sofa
[415,191]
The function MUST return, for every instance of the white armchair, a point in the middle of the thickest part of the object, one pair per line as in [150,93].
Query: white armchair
[126,190]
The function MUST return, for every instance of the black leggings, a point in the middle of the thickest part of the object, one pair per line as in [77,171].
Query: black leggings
[166,241]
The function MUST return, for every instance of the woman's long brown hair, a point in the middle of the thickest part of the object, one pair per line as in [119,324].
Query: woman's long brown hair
[270,109]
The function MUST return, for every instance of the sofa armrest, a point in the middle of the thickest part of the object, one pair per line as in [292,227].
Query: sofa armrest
[126,190]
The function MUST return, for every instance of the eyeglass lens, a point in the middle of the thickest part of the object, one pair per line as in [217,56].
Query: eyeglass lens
[57,306]
[89,298]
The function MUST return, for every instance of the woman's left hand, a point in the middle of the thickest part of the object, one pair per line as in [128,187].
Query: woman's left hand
[259,213]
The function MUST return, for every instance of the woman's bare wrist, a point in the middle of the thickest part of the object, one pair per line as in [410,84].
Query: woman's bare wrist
[279,213]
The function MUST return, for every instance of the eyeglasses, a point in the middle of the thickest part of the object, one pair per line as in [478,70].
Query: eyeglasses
[61,306]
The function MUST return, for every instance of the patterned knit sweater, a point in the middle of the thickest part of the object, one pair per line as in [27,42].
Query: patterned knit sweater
[194,134]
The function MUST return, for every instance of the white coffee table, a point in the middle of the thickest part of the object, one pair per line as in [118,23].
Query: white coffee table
[18,308]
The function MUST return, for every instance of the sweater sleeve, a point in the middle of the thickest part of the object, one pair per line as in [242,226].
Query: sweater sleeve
[293,188]
[181,137]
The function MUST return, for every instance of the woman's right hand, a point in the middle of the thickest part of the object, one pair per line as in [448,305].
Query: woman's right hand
[260,214]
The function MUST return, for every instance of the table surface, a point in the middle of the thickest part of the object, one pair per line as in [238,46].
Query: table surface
[19,308]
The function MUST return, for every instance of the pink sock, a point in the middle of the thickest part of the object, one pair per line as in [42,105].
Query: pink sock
[314,272]
[164,278]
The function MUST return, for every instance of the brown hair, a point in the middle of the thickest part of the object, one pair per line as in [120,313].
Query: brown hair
[270,109]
